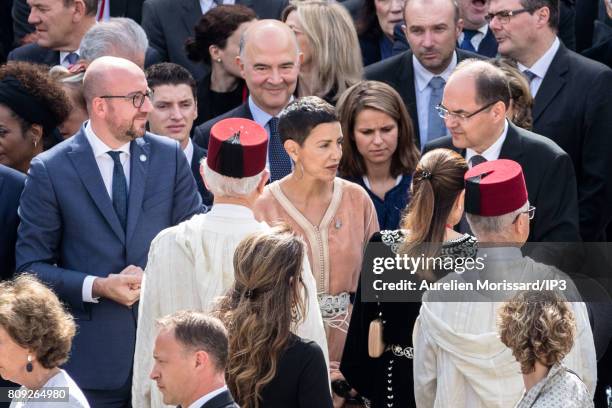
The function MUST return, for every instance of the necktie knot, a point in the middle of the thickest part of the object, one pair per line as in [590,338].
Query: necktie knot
[72,58]
[116,156]
[529,75]
[477,159]
[437,82]
[469,34]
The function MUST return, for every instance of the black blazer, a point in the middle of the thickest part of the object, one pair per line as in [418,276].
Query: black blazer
[11,185]
[198,154]
[551,184]
[488,45]
[202,132]
[398,72]
[223,400]
[573,108]
[370,49]
[40,55]
[169,23]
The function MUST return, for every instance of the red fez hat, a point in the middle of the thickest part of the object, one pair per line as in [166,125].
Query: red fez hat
[495,188]
[237,148]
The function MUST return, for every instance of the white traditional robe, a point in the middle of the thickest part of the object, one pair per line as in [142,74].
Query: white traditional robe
[459,360]
[189,267]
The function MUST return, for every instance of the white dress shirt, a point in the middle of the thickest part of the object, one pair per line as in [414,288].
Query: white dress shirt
[204,399]
[477,38]
[206,5]
[105,165]
[493,151]
[63,54]
[423,92]
[189,151]
[105,12]
[540,67]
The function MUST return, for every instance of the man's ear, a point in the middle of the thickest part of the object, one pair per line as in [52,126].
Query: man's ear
[80,10]
[202,358]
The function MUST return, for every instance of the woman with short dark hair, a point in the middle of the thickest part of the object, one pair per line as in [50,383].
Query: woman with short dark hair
[35,339]
[32,105]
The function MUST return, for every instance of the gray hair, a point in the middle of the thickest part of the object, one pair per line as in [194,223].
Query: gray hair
[493,226]
[119,35]
[225,186]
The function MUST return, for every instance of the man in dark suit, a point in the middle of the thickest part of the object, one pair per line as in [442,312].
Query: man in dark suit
[572,101]
[474,106]
[89,211]
[476,36]
[269,62]
[174,111]
[11,185]
[432,28]
[60,26]
[113,8]
[191,352]
[169,23]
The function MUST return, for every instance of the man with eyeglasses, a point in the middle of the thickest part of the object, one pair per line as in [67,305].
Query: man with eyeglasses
[418,75]
[572,100]
[474,107]
[90,209]
[456,331]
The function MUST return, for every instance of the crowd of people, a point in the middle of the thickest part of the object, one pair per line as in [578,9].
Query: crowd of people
[191,193]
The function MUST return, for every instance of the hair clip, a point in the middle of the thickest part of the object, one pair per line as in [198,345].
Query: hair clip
[424,175]
[249,294]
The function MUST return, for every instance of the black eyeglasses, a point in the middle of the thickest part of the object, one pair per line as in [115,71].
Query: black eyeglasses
[137,98]
[530,212]
[444,113]
[504,15]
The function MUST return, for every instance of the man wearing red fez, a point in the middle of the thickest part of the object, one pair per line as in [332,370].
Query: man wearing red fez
[476,110]
[459,339]
[191,265]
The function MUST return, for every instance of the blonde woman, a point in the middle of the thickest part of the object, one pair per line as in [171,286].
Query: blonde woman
[269,366]
[328,39]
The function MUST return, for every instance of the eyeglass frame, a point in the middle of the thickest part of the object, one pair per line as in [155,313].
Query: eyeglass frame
[133,96]
[530,212]
[443,111]
[505,19]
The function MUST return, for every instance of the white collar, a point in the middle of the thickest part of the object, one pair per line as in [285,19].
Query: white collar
[64,54]
[189,151]
[259,115]
[423,76]
[493,151]
[366,181]
[205,398]
[540,67]
[484,29]
[98,146]
[231,211]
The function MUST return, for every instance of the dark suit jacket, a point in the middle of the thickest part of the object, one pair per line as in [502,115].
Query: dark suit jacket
[573,108]
[488,45]
[40,55]
[198,155]
[202,132]
[69,230]
[398,72]
[118,8]
[11,185]
[551,184]
[223,400]
[169,23]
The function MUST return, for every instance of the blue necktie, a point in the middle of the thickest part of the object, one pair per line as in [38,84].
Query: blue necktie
[466,44]
[120,191]
[435,124]
[529,75]
[72,58]
[280,163]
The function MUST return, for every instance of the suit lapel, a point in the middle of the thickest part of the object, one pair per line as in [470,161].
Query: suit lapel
[512,148]
[552,83]
[139,164]
[86,167]
[405,87]
[248,3]
[118,8]
[191,13]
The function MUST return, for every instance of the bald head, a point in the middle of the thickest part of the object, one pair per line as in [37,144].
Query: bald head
[105,74]
[264,32]
[489,81]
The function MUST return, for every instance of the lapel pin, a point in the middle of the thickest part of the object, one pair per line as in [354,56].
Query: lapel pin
[143,158]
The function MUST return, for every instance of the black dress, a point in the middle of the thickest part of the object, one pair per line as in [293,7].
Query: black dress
[301,378]
[387,380]
[212,104]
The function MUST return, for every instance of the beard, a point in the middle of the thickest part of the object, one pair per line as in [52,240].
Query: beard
[127,132]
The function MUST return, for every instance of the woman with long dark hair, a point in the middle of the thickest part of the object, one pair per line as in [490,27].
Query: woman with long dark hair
[268,365]
[426,230]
